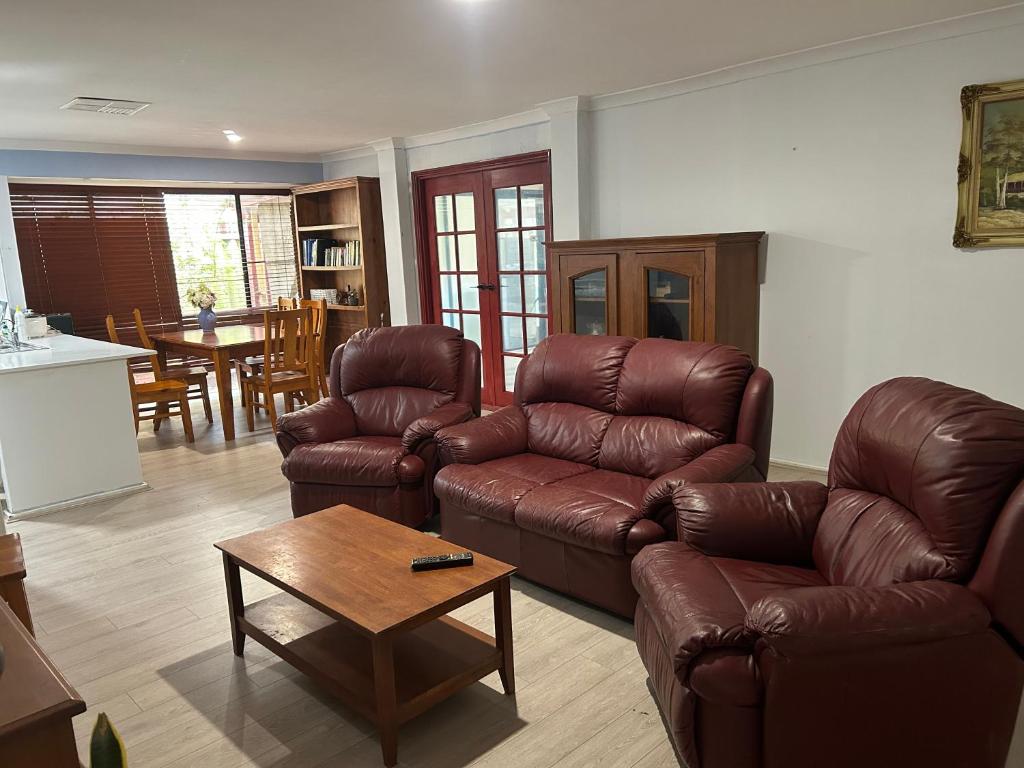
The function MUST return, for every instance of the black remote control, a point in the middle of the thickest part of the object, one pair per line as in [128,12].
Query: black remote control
[442,561]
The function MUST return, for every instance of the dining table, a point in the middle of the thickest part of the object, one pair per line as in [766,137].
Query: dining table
[221,345]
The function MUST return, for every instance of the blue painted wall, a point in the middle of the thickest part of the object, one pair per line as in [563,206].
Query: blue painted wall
[85,165]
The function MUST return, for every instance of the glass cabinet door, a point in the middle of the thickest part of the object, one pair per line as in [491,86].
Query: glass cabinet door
[664,291]
[668,305]
[590,303]
[587,293]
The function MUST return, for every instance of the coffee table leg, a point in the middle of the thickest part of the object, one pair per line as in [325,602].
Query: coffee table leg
[384,688]
[236,607]
[503,634]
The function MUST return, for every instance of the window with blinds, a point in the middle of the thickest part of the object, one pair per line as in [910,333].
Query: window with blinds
[240,246]
[94,251]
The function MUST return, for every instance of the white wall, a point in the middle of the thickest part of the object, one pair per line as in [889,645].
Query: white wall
[846,156]
[851,168]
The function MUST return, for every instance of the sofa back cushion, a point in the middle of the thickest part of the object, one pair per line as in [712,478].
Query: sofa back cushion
[919,472]
[392,376]
[565,368]
[642,407]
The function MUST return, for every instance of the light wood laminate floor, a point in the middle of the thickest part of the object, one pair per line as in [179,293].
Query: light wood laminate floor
[129,601]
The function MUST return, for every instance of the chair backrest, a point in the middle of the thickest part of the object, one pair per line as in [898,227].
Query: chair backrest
[920,472]
[146,342]
[319,309]
[286,302]
[392,376]
[112,330]
[287,343]
[643,407]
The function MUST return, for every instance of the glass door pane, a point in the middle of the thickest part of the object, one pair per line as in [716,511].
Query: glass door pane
[668,305]
[590,303]
[522,273]
[458,275]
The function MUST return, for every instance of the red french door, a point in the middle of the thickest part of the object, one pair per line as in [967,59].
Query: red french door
[482,229]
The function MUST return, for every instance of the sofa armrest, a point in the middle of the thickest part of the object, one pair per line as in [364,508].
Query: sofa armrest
[722,464]
[324,421]
[425,427]
[816,620]
[764,522]
[498,434]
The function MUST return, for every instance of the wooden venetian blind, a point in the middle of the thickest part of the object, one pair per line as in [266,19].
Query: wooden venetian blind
[94,251]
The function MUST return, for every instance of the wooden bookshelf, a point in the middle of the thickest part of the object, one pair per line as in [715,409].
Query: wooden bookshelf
[354,202]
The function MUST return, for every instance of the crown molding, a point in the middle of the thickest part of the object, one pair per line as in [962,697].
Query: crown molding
[389,144]
[566,106]
[351,153]
[507,123]
[137,149]
[958,26]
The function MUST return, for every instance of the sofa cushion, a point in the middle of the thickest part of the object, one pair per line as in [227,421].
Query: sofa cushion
[538,469]
[620,487]
[494,488]
[416,356]
[947,456]
[566,368]
[696,383]
[366,460]
[595,510]
[566,431]
[389,410]
[652,445]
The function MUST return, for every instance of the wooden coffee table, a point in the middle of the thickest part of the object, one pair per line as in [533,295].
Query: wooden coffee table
[359,622]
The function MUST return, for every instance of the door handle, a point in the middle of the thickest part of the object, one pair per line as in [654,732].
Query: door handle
[486,286]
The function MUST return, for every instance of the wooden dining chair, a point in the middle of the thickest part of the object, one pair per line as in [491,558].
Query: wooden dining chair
[251,365]
[151,400]
[193,375]
[288,365]
[319,310]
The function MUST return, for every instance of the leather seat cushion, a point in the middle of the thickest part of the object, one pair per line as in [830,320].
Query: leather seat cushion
[365,460]
[595,510]
[698,603]
[494,488]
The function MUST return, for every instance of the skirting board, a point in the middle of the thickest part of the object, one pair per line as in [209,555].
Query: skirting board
[797,465]
[81,501]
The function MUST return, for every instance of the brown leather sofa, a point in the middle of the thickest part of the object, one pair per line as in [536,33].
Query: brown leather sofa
[873,622]
[371,443]
[571,481]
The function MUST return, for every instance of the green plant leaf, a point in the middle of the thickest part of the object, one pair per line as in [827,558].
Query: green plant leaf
[106,749]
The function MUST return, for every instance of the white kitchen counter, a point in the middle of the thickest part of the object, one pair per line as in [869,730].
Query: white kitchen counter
[67,433]
[64,350]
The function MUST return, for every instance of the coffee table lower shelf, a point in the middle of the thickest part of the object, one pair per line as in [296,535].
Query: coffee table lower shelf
[431,662]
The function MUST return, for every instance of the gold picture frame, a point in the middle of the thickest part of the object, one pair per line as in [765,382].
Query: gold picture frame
[990,173]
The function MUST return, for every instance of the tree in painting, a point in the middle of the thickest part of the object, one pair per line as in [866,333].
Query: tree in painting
[1001,193]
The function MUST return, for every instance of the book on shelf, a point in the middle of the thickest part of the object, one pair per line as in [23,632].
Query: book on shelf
[326,252]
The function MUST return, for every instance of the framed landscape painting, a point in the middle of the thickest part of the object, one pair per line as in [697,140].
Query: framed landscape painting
[990,207]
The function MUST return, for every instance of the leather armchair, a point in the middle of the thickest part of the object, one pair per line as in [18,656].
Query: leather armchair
[577,476]
[873,621]
[371,443]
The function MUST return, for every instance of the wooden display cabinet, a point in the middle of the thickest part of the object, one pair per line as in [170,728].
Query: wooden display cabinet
[346,210]
[687,287]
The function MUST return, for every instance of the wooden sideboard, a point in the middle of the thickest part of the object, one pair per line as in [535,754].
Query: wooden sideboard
[36,703]
[687,287]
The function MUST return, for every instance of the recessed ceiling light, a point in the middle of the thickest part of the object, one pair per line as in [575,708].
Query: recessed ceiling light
[231,136]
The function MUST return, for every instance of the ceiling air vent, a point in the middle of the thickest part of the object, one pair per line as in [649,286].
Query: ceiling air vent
[106,106]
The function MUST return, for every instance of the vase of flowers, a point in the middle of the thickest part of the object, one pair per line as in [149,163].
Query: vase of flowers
[201,297]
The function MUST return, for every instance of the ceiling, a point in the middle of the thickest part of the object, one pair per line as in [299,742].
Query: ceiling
[311,76]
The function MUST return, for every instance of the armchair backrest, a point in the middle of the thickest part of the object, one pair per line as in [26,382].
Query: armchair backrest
[643,407]
[393,376]
[920,473]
